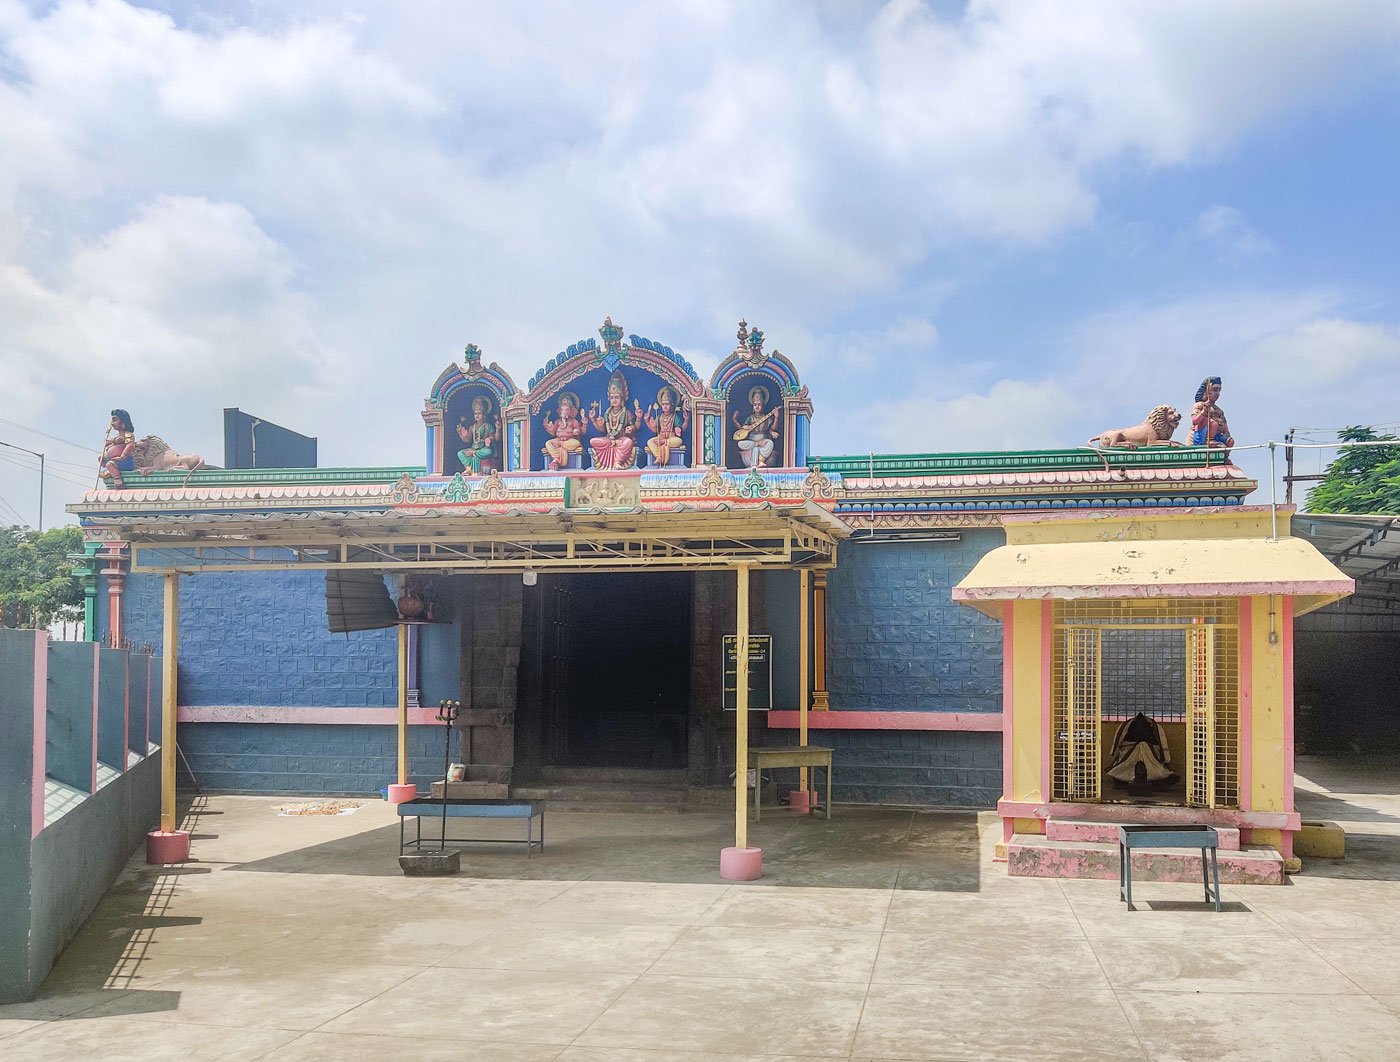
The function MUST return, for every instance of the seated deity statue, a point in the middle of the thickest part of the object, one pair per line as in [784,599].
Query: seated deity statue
[1208,424]
[756,437]
[1140,755]
[662,419]
[616,446]
[480,437]
[565,430]
[118,450]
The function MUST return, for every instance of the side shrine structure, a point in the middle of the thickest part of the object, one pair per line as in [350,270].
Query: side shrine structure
[1076,637]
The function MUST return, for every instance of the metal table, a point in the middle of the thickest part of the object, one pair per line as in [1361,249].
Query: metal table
[788,756]
[1168,836]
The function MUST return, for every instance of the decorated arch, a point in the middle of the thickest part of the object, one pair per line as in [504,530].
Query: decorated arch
[627,403]
[465,413]
[764,414]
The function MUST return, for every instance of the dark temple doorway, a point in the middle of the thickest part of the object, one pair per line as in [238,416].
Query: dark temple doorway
[614,662]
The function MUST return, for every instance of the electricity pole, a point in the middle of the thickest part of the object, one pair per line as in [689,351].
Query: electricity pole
[40,456]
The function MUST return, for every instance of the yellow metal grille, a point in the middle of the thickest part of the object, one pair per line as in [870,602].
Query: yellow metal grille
[1175,660]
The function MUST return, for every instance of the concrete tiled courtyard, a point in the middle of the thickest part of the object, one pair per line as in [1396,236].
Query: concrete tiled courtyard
[883,934]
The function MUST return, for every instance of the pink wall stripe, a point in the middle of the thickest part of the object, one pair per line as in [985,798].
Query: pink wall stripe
[41,732]
[126,711]
[1008,699]
[1288,748]
[1047,635]
[877,720]
[1246,703]
[96,660]
[244,713]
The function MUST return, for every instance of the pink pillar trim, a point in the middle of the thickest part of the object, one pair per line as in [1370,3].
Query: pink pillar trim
[1246,750]
[1047,636]
[1288,750]
[1008,676]
[126,712]
[41,732]
[96,675]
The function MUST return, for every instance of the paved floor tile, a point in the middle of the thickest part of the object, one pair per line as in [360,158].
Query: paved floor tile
[630,903]
[1297,1027]
[850,909]
[772,953]
[576,947]
[269,995]
[731,1016]
[525,1006]
[359,1047]
[975,955]
[1198,964]
[138,1040]
[942,1021]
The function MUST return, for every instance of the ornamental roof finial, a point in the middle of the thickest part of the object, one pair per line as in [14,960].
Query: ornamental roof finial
[612,334]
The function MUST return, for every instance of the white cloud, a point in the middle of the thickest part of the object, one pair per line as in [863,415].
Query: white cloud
[200,213]
[1227,229]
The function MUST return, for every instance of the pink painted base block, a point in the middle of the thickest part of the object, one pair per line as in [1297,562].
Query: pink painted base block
[741,864]
[399,793]
[167,847]
[800,802]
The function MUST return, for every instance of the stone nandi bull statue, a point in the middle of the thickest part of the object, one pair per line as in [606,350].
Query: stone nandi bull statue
[1156,429]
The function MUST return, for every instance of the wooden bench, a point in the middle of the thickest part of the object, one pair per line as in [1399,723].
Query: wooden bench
[1167,835]
[470,808]
[788,756]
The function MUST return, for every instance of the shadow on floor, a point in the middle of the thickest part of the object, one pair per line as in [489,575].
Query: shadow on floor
[859,848]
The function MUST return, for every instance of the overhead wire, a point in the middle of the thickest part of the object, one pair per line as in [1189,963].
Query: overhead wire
[46,435]
[13,511]
[49,473]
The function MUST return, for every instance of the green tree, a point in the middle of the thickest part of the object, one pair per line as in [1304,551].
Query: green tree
[1363,479]
[37,584]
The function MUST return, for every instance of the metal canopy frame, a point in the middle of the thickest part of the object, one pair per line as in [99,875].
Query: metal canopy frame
[1367,548]
[764,536]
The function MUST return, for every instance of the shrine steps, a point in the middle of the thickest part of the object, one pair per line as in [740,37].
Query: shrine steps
[1107,832]
[1039,856]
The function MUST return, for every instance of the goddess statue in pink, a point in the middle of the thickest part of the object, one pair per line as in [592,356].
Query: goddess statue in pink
[757,436]
[565,431]
[668,426]
[616,447]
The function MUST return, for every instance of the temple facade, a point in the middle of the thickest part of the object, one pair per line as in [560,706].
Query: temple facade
[563,564]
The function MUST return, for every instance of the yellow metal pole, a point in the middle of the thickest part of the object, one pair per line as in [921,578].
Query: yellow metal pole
[741,715]
[170,649]
[403,704]
[804,663]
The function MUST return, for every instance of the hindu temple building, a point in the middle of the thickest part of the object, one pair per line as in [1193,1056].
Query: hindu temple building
[1072,636]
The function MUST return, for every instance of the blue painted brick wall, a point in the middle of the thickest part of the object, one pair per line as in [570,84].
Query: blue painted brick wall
[317,759]
[260,638]
[896,641]
[929,768]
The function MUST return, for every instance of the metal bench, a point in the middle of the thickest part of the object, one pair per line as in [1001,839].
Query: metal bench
[469,808]
[1168,836]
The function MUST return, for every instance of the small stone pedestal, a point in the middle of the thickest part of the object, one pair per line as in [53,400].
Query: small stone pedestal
[400,793]
[162,848]
[741,864]
[439,864]
[800,802]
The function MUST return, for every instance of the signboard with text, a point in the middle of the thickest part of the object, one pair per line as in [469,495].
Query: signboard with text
[760,672]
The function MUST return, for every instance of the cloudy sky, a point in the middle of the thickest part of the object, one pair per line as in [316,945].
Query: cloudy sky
[1000,225]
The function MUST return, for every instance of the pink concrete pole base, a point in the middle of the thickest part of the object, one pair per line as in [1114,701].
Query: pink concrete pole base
[800,802]
[171,847]
[399,793]
[740,864]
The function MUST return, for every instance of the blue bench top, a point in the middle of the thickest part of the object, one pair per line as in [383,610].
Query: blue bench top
[1168,835]
[463,807]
